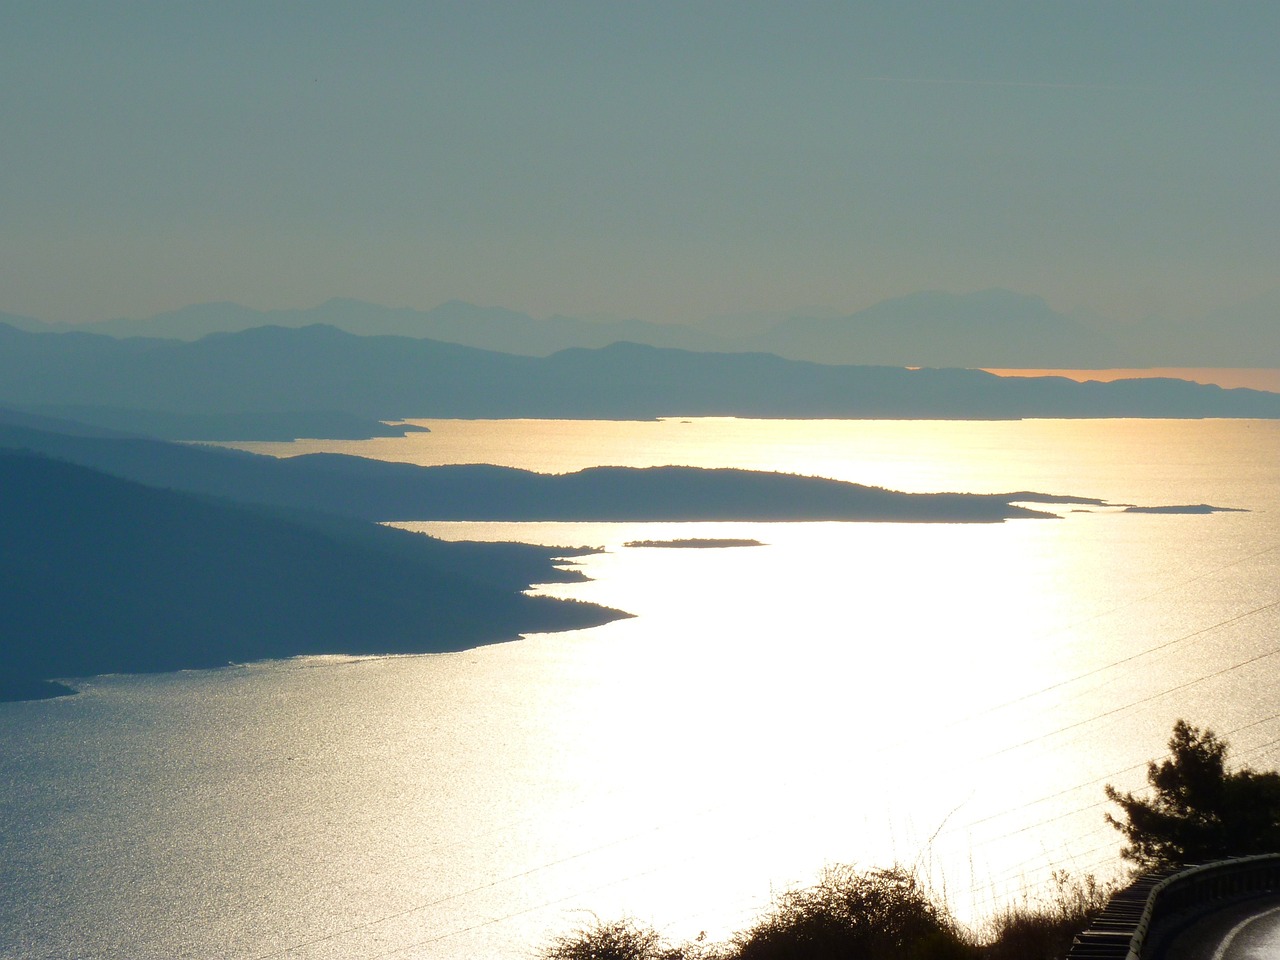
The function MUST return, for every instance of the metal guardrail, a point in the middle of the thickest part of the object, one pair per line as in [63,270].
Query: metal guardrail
[1139,918]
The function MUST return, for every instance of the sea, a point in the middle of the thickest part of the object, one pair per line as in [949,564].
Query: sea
[948,698]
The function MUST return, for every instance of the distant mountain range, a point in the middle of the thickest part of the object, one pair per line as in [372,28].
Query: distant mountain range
[990,328]
[934,329]
[124,383]
[487,328]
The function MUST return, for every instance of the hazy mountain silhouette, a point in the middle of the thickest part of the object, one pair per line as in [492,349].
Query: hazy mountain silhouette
[455,321]
[24,423]
[1239,335]
[100,575]
[376,490]
[990,328]
[748,327]
[32,324]
[274,369]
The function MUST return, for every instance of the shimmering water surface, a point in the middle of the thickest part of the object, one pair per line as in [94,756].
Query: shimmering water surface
[949,697]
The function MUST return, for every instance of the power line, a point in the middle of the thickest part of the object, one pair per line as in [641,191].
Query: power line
[1121,662]
[1103,779]
[1137,703]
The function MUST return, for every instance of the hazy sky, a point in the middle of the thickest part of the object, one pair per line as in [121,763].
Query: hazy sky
[650,159]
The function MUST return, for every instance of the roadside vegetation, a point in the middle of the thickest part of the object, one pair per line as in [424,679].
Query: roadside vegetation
[1195,809]
[859,915]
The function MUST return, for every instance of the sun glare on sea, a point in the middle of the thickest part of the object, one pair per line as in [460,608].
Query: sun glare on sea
[944,696]
[948,697]
[817,669]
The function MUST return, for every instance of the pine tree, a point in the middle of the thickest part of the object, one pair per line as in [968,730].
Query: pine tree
[1199,810]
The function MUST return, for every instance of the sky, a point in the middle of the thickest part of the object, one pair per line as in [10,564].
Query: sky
[665,161]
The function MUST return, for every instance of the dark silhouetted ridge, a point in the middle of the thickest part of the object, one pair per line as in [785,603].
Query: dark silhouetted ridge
[103,575]
[378,490]
[277,371]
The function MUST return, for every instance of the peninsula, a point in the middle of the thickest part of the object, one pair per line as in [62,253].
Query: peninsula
[103,575]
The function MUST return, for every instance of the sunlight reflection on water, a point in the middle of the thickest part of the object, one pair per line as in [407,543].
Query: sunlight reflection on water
[946,696]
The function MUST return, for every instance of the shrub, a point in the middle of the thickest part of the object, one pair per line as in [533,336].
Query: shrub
[855,915]
[619,940]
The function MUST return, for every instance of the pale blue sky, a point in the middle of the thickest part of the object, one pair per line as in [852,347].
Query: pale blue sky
[659,160]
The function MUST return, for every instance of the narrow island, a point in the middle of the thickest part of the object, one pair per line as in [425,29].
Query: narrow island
[1188,508]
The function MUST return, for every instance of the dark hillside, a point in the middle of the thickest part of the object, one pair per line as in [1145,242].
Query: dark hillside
[102,575]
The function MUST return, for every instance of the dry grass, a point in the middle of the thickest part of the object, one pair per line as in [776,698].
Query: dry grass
[1043,930]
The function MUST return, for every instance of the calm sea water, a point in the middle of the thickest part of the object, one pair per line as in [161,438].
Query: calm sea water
[948,697]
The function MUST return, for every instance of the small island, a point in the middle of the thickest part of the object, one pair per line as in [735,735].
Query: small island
[1187,508]
[697,543]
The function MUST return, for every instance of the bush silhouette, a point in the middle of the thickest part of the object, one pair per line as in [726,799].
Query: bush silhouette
[616,940]
[855,915]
